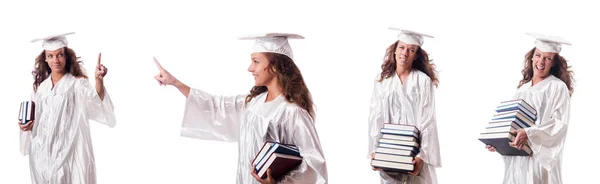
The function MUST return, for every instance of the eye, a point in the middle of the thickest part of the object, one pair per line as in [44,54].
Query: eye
[49,56]
[413,50]
[61,54]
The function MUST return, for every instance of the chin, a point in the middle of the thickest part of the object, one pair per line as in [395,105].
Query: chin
[541,76]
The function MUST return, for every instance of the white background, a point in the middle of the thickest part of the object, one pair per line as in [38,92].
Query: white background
[478,48]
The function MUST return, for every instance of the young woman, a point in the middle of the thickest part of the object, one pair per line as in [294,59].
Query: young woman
[547,86]
[58,141]
[278,108]
[403,93]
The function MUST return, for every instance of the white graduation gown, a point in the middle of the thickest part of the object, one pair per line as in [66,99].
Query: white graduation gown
[59,145]
[226,118]
[411,103]
[550,98]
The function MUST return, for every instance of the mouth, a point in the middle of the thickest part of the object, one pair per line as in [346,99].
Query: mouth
[540,68]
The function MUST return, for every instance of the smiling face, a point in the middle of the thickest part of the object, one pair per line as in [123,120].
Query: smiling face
[542,63]
[57,60]
[405,54]
[260,69]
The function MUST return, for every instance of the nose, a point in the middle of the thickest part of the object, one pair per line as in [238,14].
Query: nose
[250,68]
[405,51]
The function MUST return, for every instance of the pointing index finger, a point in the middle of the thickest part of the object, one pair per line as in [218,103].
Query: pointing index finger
[99,58]
[157,64]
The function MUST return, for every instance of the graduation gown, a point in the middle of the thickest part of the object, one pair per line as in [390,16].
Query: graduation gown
[228,118]
[550,98]
[59,145]
[411,103]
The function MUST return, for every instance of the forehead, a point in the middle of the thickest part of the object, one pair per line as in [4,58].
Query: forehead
[54,51]
[257,55]
[400,43]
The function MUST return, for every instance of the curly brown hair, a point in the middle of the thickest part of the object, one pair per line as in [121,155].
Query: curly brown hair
[559,69]
[421,63]
[42,71]
[289,79]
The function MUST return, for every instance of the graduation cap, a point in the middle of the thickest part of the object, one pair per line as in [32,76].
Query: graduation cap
[410,37]
[272,42]
[54,42]
[548,43]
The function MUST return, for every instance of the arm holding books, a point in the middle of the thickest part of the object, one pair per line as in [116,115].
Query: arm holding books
[25,137]
[375,120]
[206,116]
[547,138]
[313,168]
[26,134]
[430,146]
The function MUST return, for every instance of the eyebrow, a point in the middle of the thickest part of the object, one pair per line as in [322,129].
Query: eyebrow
[50,53]
[410,47]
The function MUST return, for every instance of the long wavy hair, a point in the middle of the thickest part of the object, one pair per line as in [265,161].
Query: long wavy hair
[289,80]
[559,69]
[421,63]
[42,71]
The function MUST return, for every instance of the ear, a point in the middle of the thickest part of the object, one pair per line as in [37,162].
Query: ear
[275,69]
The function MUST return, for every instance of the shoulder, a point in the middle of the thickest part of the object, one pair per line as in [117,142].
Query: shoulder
[46,84]
[380,81]
[422,79]
[80,82]
[295,112]
[557,85]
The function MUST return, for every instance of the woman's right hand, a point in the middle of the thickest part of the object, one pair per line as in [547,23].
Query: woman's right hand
[372,157]
[490,148]
[164,77]
[27,126]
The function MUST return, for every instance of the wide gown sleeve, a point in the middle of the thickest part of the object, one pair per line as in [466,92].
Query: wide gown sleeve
[313,168]
[547,138]
[212,117]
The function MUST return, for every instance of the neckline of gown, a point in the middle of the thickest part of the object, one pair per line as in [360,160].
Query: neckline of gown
[540,84]
[264,99]
[53,86]
[408,77]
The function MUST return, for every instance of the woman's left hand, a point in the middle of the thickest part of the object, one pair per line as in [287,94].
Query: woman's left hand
[520,139]
[268,180]
[101,70]
[418,165]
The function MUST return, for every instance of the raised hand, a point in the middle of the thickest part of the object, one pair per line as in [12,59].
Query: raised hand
[101,70]
[164,77]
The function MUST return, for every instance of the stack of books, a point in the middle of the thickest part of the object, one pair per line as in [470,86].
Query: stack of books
[27,112]
[510,116]
[280,158]
[397,148]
